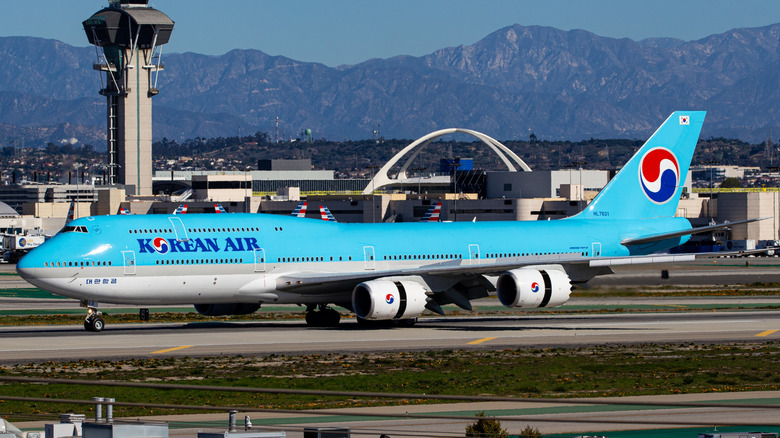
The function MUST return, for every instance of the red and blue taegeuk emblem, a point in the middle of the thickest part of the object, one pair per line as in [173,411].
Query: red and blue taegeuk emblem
[659,175]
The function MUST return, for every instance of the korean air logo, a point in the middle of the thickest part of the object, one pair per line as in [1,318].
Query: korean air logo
[389,299]
[160,245]
[534,287]
[659,175]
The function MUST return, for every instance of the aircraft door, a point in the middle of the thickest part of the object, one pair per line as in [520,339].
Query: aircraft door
[596,249]
[129,259]
[474,253]
[259,260]
[178,228]
[368,256]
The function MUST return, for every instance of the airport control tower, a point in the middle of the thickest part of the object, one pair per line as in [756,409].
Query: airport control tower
[130,35]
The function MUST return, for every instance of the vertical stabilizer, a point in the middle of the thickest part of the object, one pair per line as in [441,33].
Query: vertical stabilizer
[300,210]
[326,215]
[651,183]
[71,212]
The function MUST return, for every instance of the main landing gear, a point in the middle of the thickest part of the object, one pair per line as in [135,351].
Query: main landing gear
[320,315]
[389,323]
[93,322]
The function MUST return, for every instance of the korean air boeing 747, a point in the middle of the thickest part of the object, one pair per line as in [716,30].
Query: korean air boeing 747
[234,263]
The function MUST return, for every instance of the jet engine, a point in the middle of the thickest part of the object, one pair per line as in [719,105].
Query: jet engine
[528,288]
[382,300]
[227,309]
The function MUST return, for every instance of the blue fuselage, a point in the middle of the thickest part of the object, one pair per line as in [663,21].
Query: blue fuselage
[211,258]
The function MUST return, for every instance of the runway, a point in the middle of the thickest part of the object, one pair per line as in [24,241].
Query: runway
[118,341]
[709,320]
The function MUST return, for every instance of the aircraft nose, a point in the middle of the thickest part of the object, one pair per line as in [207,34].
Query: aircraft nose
[25,268]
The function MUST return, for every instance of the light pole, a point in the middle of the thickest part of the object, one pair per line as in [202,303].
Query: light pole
[373,195]
[454,165]
[712,164]
[775,196]
[419,171]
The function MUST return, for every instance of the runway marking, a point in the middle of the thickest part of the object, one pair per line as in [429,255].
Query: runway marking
[479,341]
[172,349]
[766,333]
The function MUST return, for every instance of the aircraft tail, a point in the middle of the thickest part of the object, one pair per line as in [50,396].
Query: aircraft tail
[651,183]
[71,212]
[326,215]
[300,210]
[432,215]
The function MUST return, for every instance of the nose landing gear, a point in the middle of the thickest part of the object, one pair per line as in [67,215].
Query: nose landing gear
[93,322]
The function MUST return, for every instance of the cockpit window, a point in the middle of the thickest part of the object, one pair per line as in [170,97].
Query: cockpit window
[74,229]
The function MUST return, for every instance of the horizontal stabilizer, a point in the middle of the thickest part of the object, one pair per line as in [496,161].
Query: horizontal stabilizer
[697,230]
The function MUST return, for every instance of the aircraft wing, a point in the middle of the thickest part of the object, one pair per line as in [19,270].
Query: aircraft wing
[580,269]
[318,282]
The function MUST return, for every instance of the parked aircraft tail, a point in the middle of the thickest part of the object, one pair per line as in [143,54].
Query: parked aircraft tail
[432,215]
[325,214]
[300,210]
[71,212]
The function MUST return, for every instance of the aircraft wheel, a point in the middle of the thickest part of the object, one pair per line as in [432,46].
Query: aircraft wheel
[410,322]
[372,324]
[326,317]
[330,318]
[94,324]
[97,324]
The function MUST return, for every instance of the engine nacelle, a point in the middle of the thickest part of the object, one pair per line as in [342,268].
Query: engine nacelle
[227,309]
[527,288]
[382,300]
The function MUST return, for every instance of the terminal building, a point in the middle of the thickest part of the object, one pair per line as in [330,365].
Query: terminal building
[496,195]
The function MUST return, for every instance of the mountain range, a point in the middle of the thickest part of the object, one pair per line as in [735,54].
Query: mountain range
[516,81]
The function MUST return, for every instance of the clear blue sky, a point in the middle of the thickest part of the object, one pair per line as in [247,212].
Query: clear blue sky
[337,32]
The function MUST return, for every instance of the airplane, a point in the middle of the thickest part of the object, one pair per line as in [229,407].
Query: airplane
[123,211]
[326,215]
[300,210]
[182,209]
[432,215]
[389,272]
[218,208]
[71,212]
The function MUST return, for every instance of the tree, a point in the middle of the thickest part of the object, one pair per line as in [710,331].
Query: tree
[731,183]
[530,432]
[485,427]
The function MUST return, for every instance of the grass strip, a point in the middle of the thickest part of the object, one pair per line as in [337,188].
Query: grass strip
[601,371]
